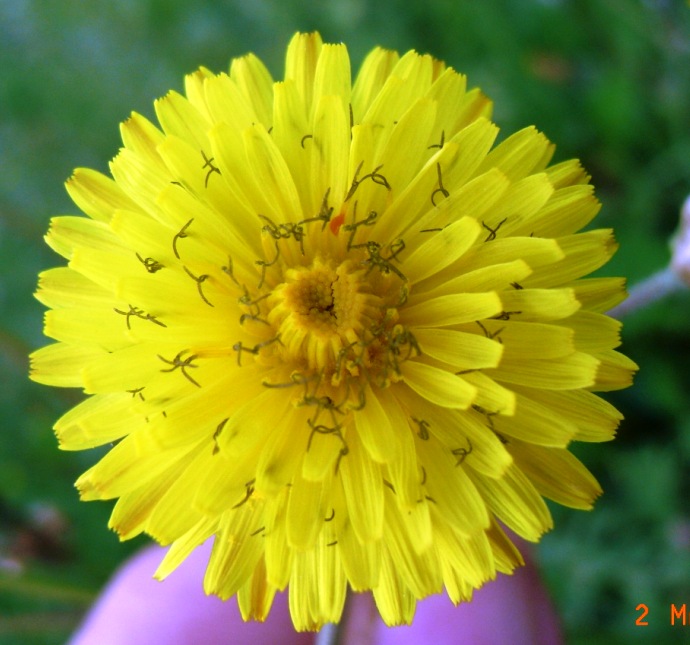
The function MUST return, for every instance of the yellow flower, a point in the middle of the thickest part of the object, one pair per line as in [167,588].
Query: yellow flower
[334,327]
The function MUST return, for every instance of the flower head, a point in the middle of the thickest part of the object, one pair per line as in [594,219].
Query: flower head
[335,327]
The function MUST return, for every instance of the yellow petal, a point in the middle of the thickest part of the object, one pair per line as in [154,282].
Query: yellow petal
[317,590]
[419,571]
[454,495]
[438,386]
[61,365]
[300,64]
[516,503]
[143,138]
[306,511]
[568,210]
[100,419]
[63,287]
[181,548]
[175,513]
[133,509]
[578,370]
[332,76]
[395,602]
[180,118]
[595,419]
[363,486]
[615,371]
[600,294]
[331,144]
[520,154]
[371,77]
[454,309]
[593,332]
[540,304]
[493,277]
[255,82]
[458,349]
[441,249]
[131,463]
[536,424]
[237,548]
[469,554]
[584,253]
[68,233]
[557,474]
[361,560]
[255,597]
[464,433]
[375,429]
[97,195]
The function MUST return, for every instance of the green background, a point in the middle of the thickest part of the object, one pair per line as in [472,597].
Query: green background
[607,80]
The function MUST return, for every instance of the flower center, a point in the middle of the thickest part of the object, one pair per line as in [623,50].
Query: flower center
[320,310]
[330,319]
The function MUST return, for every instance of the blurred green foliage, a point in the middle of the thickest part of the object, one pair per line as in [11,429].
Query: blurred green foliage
[607,80]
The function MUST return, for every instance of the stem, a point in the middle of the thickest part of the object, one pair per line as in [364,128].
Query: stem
[357,623]
[328,634]
[657,286]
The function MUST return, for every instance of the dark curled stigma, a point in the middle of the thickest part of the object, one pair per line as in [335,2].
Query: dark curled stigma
[382,262]
[441,144]
[423,432]
[487,414]
[199,281]
[138,313]
[440,188]
[324,216]
[216,434]
[491,335]
[181,235]
[369,220]
[239,347]
[505,315]
[150,264]
[137,392]
[264,265]
[247,495]
[374,175]
[493,231]
[208,163]
[460,454]
[182,365]
[229,270]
